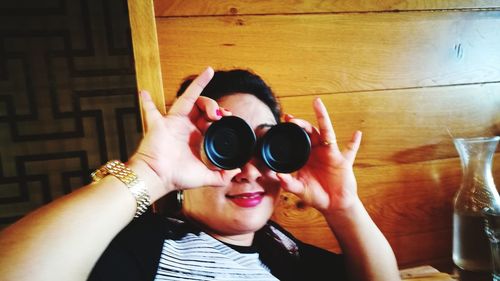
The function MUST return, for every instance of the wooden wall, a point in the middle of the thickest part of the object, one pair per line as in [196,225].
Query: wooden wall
[409,74]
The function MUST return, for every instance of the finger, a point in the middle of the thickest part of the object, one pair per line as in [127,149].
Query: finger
[303,124]
[206,119]
[325,124]
[202,124]
[221,177]
[315,137]
[187,100]
[353,146]
[209,108]
[288,117]
[291,184]
[312,131]
[149,110]
[225,112]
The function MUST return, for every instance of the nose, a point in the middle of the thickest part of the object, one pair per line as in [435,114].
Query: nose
[249,173]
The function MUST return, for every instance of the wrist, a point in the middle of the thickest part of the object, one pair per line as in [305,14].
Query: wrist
[346,217]
[154,185]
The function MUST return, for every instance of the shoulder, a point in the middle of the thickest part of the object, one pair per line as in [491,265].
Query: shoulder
[135,252]
[153,229]
[308,261]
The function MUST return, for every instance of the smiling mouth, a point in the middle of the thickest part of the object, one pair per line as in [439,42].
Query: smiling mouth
[248,195]
[247,200]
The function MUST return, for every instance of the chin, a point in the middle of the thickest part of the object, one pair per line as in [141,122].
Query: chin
[250,223]
[244,229]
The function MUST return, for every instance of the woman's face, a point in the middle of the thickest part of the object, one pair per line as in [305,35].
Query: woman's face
[232,213]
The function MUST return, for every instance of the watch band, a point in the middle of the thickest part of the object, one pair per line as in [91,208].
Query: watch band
[130,179]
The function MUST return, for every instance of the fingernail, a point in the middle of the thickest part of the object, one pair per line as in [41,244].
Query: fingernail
[218,112]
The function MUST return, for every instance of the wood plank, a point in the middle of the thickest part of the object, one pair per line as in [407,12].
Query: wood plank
[408,126]
[166,8]
[407,168]
[146,51]
[315,54]
[411,204]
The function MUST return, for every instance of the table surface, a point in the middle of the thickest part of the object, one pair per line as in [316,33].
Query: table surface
[449,267]
[471,276]
[425,269]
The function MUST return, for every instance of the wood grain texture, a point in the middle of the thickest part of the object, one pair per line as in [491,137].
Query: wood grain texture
[407,168]
[146,51]
[411,204]
[316,54]
[407,80]
[407,126]
[166,8]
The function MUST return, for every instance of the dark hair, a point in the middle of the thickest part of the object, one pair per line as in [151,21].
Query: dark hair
[225,83]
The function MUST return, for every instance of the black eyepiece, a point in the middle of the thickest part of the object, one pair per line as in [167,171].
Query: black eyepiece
[285,148]
[229,143]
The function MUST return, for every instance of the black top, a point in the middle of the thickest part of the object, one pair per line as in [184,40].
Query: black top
[135,252]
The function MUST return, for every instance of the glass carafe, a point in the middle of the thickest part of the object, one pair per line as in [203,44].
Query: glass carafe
[471,249]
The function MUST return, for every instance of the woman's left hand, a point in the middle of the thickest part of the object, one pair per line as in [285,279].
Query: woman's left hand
[327,181]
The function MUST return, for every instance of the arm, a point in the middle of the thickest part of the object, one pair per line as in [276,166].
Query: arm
[328,184]
[368,254]
[64,239]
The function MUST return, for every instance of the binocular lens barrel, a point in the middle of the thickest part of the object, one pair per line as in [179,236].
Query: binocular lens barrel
[285,148]
[230,143]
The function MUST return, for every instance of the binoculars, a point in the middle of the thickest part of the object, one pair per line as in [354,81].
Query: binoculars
[230,142]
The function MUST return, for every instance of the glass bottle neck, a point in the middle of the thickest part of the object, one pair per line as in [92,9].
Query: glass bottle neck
[477,169]
[478,190]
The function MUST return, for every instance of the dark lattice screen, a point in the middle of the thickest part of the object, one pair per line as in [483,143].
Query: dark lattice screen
[67,97]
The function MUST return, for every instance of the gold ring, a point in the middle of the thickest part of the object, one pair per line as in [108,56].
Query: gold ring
[327,142]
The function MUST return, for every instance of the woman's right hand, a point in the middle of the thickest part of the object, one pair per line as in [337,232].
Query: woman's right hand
[171,145]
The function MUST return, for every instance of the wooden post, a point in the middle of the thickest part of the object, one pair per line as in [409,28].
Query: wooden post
[146,54]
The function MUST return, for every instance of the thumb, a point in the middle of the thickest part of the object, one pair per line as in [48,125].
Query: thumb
[221,177]
[291,184]
[149,110]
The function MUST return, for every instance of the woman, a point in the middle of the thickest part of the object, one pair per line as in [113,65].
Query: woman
[223,232]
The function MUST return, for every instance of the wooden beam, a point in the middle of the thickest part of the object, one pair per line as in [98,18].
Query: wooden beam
[146,51]
[169,8]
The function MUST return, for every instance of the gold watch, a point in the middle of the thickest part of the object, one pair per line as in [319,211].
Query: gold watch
[130,179]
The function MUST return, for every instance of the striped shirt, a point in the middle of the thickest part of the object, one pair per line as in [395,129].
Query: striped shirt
[153,247]
[202,257]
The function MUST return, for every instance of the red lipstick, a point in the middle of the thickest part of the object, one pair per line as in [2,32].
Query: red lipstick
[247,200]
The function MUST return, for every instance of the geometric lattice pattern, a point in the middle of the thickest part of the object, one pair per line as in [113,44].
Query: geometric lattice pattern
[68,98]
